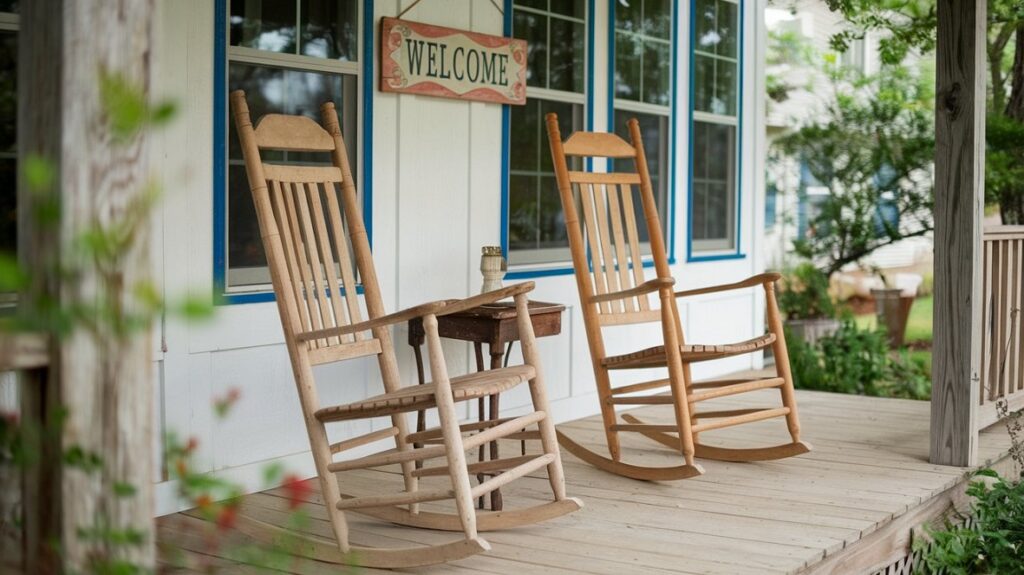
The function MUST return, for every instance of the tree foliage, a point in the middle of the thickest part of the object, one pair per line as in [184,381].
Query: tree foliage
[872,148]
[910,26]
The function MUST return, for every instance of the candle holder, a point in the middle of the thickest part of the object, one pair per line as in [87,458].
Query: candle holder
[493,267]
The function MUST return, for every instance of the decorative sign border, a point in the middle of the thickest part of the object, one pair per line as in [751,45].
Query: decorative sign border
[419,58]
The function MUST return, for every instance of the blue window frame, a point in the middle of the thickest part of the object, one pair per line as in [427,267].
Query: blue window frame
[641,70]
[290,56]
[716,128]
[533,232]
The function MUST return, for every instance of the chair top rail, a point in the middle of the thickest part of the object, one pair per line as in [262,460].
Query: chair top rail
[23,351]
[292,133]
[598,144]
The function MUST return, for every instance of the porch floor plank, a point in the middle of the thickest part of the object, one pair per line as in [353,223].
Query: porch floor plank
[869,467]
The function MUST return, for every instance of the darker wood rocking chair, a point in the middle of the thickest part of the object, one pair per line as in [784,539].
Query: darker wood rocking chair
[316,246]
[606,254]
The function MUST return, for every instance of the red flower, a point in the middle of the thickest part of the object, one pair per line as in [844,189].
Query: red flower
[204,501]
[181,467]
[227,517]
[296,490]
[192,444]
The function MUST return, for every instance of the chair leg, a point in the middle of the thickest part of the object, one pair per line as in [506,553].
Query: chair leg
[782,367]
[608,417]
[456,455]
[677,376]
[538,393]
[329,488]
[411,482]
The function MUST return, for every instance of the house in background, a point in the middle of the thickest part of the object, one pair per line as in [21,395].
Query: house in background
[798,40]
[438,178]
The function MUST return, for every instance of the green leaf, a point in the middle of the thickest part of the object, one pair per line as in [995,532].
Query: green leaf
[122,489]
[38,172]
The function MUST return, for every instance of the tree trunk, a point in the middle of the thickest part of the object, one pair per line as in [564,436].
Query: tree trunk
[1015,104]
[104,381]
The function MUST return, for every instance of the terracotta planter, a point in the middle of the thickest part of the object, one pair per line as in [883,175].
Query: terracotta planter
[892,309]
[811,330]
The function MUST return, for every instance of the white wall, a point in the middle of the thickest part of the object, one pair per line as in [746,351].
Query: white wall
[436,200]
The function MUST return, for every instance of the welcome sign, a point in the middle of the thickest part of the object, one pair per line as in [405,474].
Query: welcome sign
[424,59]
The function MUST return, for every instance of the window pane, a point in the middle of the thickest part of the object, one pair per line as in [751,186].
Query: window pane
[571,8]
[525,138]
[628,15]
[536,221]
[551,217]
[263,25]
[281,91]
[728,29]
[533,28]
[537,4]
[330,28]
[627,67]
[8,142]
[714,186]
[706,38]
[567,50]
[658,18]
[657,63]
[726,88]
[654,131]
[8,92]
[522,212]
[703,83]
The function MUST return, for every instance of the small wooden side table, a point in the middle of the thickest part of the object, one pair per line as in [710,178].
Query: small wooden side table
[494,325]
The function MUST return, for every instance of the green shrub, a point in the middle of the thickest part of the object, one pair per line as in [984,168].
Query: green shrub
[804,294]
[993,540]
[855,360]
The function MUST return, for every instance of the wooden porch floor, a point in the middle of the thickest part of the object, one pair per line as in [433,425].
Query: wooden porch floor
[868,471]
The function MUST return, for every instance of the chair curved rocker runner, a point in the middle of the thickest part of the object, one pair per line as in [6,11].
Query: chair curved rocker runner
[316,247]
[606,253]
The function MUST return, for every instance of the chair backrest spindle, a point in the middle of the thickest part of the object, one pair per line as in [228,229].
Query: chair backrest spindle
[310,233]
[607,246]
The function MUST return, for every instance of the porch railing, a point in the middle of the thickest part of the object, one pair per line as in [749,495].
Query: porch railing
[1002,371]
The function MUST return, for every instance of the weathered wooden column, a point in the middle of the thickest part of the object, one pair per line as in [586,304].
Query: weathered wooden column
[105,382]
[959,212]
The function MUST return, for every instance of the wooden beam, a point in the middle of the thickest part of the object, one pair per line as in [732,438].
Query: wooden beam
[40,43]
[102,379]
[959,212]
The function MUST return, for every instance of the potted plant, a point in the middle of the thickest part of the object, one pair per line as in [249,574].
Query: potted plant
[892,308]
[806,303]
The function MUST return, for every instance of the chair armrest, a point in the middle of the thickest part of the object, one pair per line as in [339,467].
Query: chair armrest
[644,288]
[453,306]
[384,320]
[759,279]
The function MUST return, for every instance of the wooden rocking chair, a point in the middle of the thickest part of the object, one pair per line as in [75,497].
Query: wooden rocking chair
[609,276]
[311,238]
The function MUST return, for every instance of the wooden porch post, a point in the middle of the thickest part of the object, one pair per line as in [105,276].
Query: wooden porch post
[105,383]
[959,211]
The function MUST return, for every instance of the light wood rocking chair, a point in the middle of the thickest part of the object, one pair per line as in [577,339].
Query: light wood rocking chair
[612,289]
[311,239]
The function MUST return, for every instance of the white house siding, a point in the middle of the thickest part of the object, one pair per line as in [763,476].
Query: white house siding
[436,199]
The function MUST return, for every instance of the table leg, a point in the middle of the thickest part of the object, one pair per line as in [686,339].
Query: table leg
[496,354]
[479,353]
[421,415]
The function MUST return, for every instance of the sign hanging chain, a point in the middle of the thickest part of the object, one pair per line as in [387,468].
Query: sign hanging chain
[415,2]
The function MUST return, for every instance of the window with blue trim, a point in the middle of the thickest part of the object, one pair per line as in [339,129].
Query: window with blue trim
[555,32]
[643,89]
[8,132]
[289,57]
[714,170]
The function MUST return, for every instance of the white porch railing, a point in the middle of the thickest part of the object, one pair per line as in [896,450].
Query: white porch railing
[1002,371]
